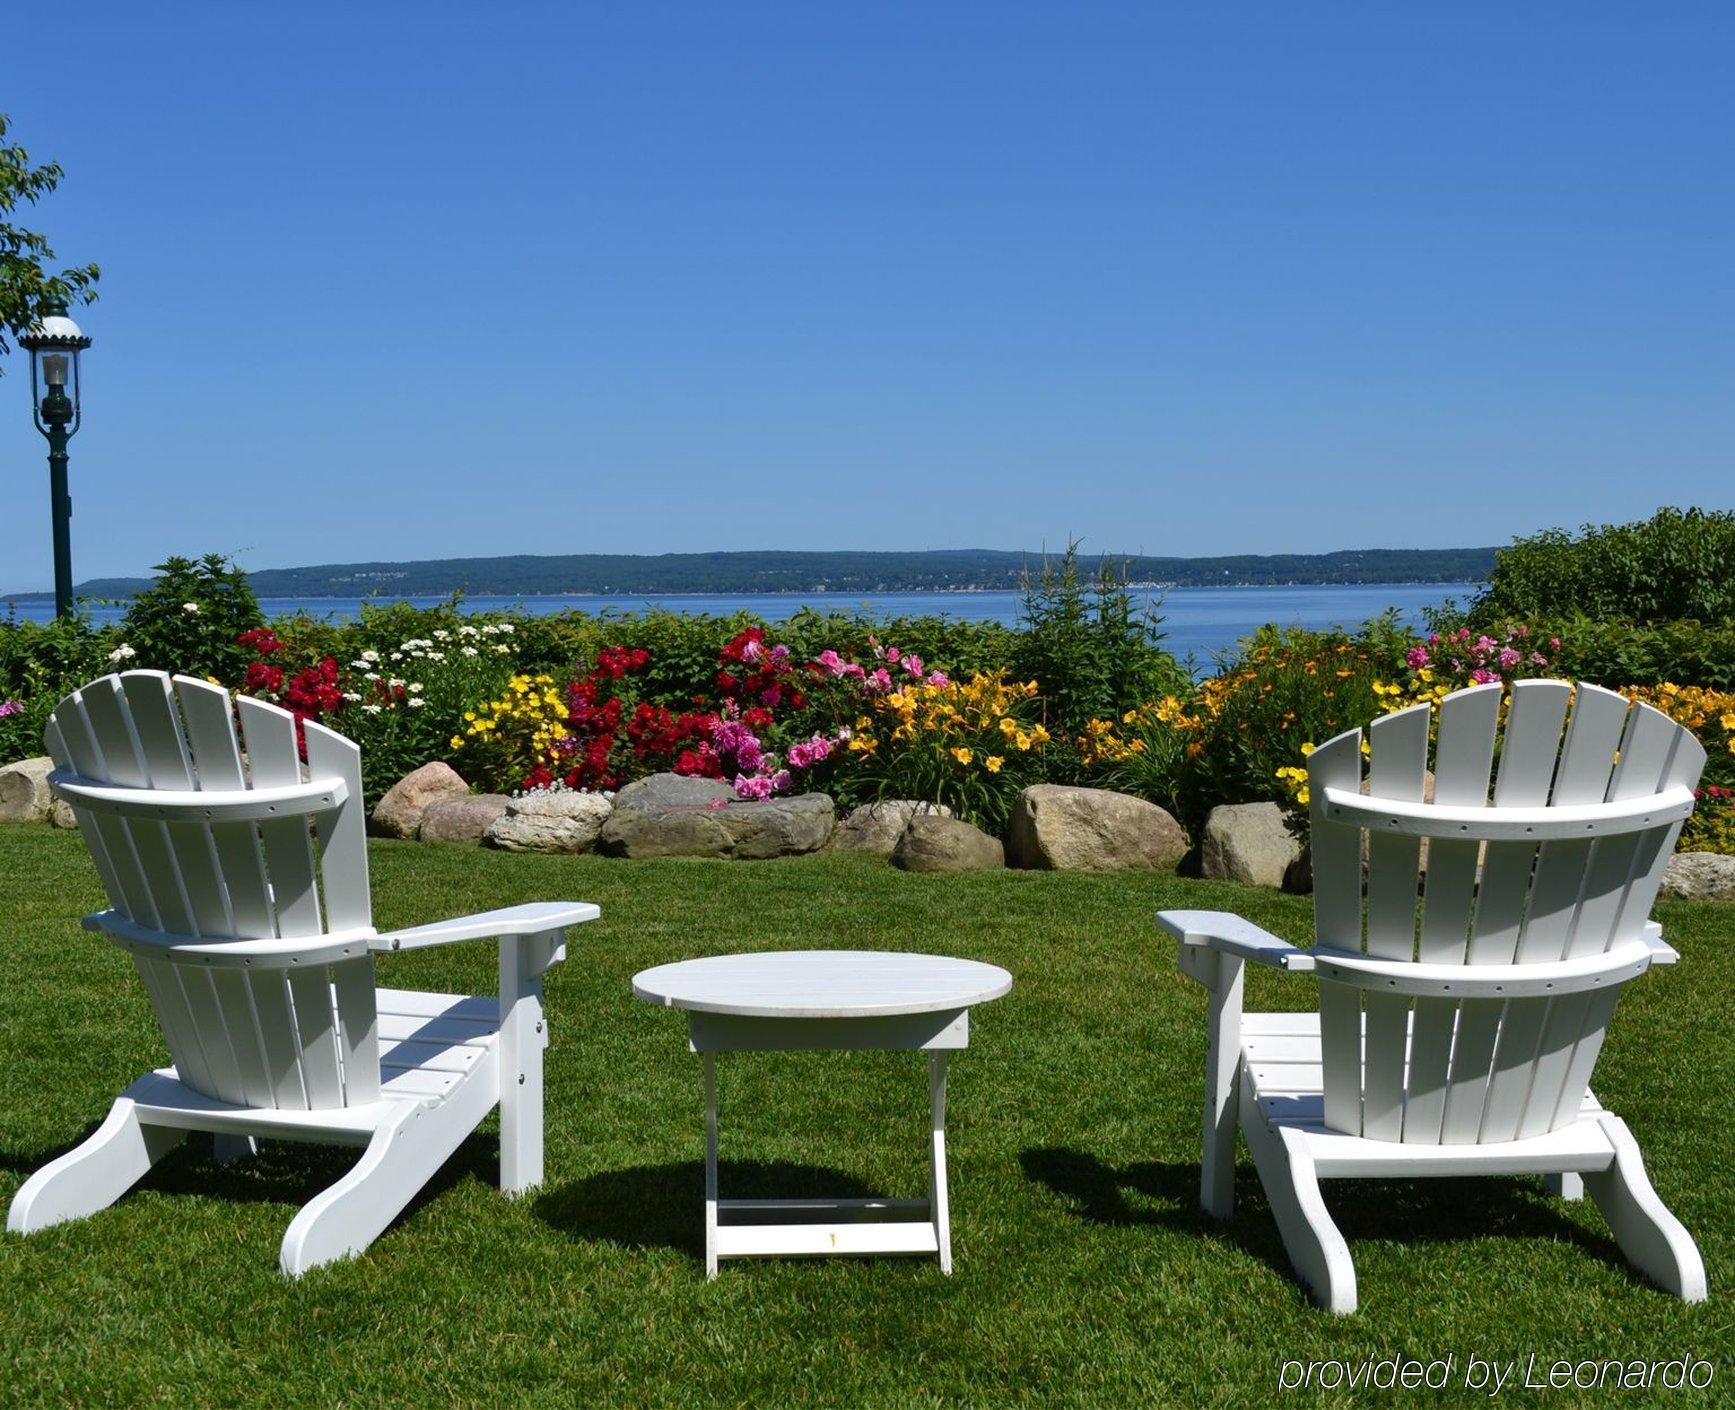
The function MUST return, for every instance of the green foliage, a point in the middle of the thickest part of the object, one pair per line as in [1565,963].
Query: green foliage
[40,662]
[25,282]
[1093,650]
[187,621]
[1677,565]
[1622,653]
[1712,826]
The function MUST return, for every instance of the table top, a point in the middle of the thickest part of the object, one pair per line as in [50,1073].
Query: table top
[822,984]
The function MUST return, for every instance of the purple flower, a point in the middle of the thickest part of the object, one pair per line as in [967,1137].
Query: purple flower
[1510,658]
[11,707]
[938,678]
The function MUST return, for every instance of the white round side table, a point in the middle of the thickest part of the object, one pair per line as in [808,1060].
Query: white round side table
[852,1000]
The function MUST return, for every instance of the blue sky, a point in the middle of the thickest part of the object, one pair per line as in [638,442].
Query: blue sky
[389,281]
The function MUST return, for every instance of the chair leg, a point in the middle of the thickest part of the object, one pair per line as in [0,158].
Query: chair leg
[1651,1237]
[523,1036]
[939,1203]
[227,1146]
[1222,1090]
[94,1174]
[406,1151]
[1315,1247]
[1566,1185]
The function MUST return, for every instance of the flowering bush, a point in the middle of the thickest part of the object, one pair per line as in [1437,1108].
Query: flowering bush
[1710,714]
[969,745]
[1712,826]
[190,620]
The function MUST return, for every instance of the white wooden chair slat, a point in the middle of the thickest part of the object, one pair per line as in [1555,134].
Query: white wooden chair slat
[216,753]
[1469,1044]
[1337,909]
[254,948]
[111,726]
[316,1036]
[273,758]
[1398,766]
[150,701]
[55,743]
[1527,762]
[1464,759]
[1593,734]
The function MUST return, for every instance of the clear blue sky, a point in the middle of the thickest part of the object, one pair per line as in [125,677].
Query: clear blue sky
[423,280]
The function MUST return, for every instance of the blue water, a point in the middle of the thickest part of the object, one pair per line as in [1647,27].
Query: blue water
[1199,622]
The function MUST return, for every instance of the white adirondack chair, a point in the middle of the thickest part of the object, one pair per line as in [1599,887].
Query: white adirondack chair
[237,879]
[1462,1043]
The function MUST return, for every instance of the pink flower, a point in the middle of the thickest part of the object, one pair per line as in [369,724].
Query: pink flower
[853,671]
[1538,659]
[831,663]
[1463,634]
[879,682]
[752,650]
[752,789]
[779,655]
[1483,676]
[1484,645]
[11,707]
[938,678]
[780,781]
[1417,656]
[893,654]
[1433,638]
[1509,658]
[1554,643]
[913,664]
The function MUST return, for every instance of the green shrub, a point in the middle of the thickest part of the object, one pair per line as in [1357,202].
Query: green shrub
[187,621]
[1094,652]
[39,663]
[1678,565]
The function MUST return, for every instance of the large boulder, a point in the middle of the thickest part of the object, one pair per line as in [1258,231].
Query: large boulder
[1249,843]
[399,811]
[1699,876]
[550,822]
[464,819]
[933,843]
[876,827]
[667,815]
[1091,829]
[24,794]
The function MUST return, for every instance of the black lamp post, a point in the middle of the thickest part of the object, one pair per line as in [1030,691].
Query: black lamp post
[54,343]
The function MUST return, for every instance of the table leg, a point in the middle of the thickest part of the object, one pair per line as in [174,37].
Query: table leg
[710,1166]
[938,1208]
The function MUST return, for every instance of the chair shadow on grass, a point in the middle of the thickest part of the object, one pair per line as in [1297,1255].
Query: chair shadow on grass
[289,1173]
[1442,1211]
[663,1206]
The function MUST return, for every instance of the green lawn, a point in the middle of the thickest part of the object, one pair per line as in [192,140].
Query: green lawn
[1084,1272]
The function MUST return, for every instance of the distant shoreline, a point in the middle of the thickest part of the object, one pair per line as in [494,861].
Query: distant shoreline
[661,593]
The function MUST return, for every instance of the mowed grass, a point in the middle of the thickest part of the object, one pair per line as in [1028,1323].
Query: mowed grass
[1085,1273]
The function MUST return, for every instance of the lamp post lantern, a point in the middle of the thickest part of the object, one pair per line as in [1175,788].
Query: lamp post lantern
[54,342]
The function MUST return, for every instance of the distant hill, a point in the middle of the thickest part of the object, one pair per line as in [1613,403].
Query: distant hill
[959,569]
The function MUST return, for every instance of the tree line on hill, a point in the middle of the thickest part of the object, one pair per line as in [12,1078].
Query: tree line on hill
[843,572]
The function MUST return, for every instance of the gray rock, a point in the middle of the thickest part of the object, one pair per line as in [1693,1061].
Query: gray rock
[399,811]
[463,819]
[1699,876]
[1091,829]
[550,822]
[24,795]
[876,827]
[933,843]
[667,815]
[1249,843]
[673,791]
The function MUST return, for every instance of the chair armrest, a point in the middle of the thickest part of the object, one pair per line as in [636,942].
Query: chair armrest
[535,918]
[1661,953]
[1231,934]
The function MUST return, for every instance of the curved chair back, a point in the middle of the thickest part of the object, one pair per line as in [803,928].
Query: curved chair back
[236,876]
[1476,1016]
